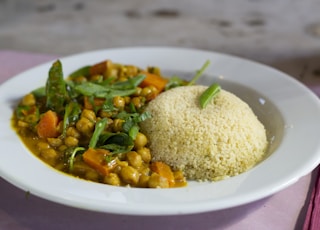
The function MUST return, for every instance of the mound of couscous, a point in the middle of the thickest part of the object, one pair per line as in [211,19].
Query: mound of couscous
[222,140]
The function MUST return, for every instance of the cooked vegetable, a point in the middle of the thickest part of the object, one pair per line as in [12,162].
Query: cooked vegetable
[56,93]
[155,80]
[163,170]
[199,73]
[48,125]
[208,94]
[96,158]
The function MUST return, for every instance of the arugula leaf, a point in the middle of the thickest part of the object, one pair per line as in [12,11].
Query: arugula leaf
[73,154]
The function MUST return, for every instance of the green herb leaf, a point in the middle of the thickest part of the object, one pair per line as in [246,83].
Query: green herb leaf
[121,139]
[74,152]
[131,83]
[209,94]
[101,91]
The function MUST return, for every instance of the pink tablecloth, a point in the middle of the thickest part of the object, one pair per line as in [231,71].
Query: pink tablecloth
[285,210]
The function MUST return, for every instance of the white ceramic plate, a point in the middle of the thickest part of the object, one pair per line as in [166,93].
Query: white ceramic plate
[288,109]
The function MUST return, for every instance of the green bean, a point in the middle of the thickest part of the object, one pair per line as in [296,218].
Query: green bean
[199,73]
[100,125]
[71,115]
[56,88]
[208,94]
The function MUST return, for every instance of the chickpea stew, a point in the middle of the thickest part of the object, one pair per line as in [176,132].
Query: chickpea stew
[87,125]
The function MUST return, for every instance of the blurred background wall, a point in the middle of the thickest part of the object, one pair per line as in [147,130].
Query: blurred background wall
[281,33]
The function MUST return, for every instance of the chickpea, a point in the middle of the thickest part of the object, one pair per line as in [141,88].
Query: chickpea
[117,169]
[153,92]
[91,175]
[127,100]
[22,124]
[117,125]
[130,175]
[157,181]
[137,102]
[134,159]
[145,170]
[28,100]
[112,179]
[122,78]
[49,155]
[119,102]
[179,178]
[138,91]
[80,79]
[145,154]
[54,142]
[43,145]
[85,126]
[143,181]
[73,132]
[132,70]
[122,163]
[111,72]
[89,114]
[62,148]
[107,114]
[154,70]
[146,91]
[71,141]
[140,141]
[96,78]
[31,118]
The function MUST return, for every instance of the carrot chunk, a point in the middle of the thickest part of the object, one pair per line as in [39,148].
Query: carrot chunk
[90,105]
[163,170]
[48,125]
[155,80]
[96,158]
[99,68]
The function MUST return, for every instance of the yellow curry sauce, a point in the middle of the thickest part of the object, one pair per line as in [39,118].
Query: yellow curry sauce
[88,124]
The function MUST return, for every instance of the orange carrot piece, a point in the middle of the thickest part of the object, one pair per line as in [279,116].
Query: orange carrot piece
[48,125]
[96,102]
[99,68]
[96,158]
[163,170]
[152,79]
